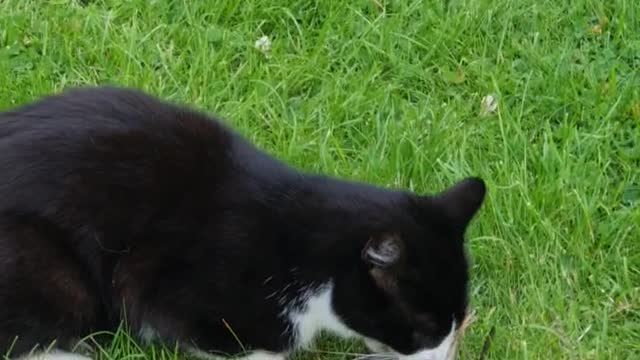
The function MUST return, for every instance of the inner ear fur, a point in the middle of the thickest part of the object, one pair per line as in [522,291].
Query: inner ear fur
[385,254]
[384,251]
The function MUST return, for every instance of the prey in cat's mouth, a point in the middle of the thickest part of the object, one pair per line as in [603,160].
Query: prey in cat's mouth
[118,207]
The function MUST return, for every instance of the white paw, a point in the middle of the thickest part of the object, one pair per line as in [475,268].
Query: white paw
[55,355]
[263,355]
[256,355]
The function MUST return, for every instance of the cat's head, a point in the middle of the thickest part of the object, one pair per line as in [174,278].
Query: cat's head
[408,296]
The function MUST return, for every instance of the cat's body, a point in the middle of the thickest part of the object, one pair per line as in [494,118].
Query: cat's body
[115,207]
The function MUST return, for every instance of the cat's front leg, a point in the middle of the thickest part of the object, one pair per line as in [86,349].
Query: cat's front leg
[263,355]
[255,355]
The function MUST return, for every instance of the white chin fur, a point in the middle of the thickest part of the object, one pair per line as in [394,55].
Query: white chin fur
[376,347]
[445,351]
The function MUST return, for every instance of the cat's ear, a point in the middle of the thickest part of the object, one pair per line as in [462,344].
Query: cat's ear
[385,254]
[461,201]
[383,251]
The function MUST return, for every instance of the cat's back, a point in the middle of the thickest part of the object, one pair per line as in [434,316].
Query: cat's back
[105,144]
[97,119]
[92,108]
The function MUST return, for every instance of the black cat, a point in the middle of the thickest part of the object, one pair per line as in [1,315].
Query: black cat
[116,206]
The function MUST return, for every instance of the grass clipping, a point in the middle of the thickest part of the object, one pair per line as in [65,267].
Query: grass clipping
[460,334]
[470,318]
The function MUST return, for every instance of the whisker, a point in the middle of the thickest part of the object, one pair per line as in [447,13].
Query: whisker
[375,357]
[328,352]
[357,356]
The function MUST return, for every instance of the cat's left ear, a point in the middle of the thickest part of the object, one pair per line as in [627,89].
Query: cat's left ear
[383,251]
[461,201]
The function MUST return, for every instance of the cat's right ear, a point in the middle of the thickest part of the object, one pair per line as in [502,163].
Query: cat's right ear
[461,201]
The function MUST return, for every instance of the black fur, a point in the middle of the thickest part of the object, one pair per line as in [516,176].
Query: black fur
[116,205]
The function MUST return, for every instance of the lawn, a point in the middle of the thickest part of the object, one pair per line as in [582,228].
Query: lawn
[396,92]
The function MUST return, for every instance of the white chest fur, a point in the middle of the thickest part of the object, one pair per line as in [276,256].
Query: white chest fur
[314,313]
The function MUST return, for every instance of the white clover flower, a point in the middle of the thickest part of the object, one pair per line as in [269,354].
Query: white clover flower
[488,105]
[263,44]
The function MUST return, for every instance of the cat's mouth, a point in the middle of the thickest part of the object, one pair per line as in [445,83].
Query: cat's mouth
[380,351]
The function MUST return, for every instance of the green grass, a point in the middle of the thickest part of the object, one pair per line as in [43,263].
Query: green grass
[391,94]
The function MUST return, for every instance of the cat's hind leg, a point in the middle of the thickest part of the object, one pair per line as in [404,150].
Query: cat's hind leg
[45,295]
